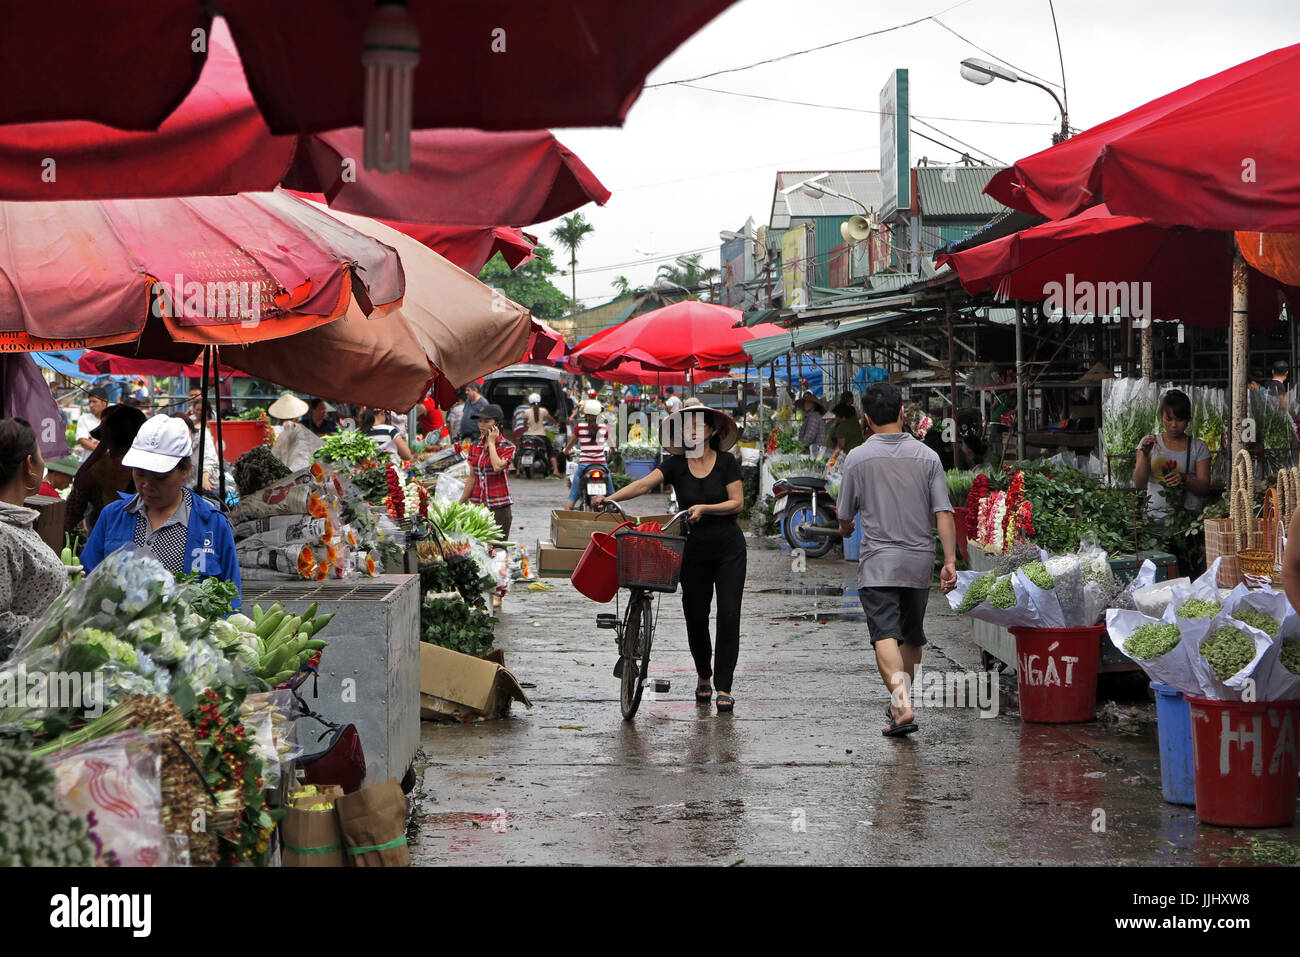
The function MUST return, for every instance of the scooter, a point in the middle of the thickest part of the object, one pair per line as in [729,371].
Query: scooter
[807,514]
[534,458]
[594,482]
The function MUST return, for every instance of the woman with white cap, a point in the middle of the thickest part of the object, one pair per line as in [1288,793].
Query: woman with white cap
[294,442]
[706,477]
[591,436]
[535,419]
[186,532]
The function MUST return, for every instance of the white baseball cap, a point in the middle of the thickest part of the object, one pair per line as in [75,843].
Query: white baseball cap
[591,407]
[161,442]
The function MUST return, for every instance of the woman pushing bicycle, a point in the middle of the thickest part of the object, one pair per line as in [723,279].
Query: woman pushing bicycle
[706,477]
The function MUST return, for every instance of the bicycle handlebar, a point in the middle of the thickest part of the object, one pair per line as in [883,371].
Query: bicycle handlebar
[619,508]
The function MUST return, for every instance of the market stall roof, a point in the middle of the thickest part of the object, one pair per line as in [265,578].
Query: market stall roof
[204,270]
[819,335]
[1174,274]
[216,143]
[580,63]
[1217,154]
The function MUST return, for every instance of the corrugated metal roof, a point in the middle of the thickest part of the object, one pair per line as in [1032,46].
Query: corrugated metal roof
[767,348]
[862,184]
[956,191]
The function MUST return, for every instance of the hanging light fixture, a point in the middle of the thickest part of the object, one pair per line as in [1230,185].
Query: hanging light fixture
[390,53]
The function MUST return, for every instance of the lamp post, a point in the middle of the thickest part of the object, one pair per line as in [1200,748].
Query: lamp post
[982,72]
[812,187]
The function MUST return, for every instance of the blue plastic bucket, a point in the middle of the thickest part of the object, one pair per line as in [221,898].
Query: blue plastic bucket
[853,543]
[638,468]
[1174,726]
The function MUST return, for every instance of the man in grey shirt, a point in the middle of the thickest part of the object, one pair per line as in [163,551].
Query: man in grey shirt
[896,488]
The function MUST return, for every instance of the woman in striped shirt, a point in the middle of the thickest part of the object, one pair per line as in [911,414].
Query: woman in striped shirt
[592,438]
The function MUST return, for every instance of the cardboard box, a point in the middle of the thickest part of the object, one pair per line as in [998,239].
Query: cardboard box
[552,562]
[50,524]
[461,687]
[573,529]
[313,838]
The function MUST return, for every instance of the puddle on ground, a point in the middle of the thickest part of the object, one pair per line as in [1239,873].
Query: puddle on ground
[822,617]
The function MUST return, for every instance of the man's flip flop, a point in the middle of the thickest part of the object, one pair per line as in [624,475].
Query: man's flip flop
[896,730]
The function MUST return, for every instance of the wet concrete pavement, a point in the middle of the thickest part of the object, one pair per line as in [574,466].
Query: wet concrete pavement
[799,773]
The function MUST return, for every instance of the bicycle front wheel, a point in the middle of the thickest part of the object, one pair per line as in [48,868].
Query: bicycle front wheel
[638,633]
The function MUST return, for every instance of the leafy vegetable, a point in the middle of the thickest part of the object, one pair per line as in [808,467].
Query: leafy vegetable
[1036,572]
[257,468]
[1290,655]
[209,598]
[1152,641]
[464,518]
[1228,650]
[349,445]
[33,830]
[1199,608]
[1003,594]
[1257,619]
[457,573]
[456,625]
[977,591]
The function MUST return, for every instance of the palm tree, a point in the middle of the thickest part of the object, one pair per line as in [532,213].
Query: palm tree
[621,285]
[688,273]
[570,234]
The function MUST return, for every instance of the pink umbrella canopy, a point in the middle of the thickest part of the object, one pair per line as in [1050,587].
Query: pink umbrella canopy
[104,363]
[685,335]
[206,271]
[1217,154]
[632,372]
[217,143]
[491,64]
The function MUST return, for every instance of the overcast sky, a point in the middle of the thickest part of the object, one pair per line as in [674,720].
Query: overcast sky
[689,163]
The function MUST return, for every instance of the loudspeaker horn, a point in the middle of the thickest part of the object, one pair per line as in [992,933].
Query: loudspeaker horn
[855,229]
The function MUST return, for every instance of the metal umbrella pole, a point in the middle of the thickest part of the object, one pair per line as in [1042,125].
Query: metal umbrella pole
[203,419]
[221,471]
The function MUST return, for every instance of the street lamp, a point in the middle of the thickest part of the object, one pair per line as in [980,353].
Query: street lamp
[815,189]
[982,72]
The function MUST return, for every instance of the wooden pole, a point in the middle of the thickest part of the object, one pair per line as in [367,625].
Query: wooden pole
[952,382]
[1020,383]
[1148,351]
[1237,347]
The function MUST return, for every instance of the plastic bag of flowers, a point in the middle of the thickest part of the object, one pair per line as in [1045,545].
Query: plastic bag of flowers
[1163,649]
[1226,658]
[993,598]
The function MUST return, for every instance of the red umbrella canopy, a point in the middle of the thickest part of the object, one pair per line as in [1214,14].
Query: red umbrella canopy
[206,271]
[1156,271]
[1218,154]
[217,143]
[103,363]
[490,64]
[634,373]
[685,335]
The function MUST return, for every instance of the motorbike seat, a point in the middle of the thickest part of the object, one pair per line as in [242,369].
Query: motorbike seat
[807,482]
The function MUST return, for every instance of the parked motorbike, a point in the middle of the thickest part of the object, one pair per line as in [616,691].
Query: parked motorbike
[534,456]
[807,514]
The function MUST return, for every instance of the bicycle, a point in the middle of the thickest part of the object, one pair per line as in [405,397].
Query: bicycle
[648,563]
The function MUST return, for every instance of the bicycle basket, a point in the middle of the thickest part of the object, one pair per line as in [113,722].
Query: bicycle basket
[649,561]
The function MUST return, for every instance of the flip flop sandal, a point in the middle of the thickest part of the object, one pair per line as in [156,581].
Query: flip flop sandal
[725,702]
[703,694]
[896,730]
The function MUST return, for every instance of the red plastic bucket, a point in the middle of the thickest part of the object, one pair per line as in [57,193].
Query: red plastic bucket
[596,574]
[239,436]
[1244,761]
[1056,670]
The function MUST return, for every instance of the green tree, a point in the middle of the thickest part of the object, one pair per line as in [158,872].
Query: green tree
[528,285]
[570,234]
[689,273]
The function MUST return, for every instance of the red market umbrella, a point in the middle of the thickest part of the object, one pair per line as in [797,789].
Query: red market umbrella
[203,271]
[491,64]
[1180,274]
[217,143]
[94,362]
[470,247]
[685,335]
[1218,154]
[634,373]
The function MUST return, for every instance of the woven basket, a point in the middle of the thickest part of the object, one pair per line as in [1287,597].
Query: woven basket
[1221,543]
[1256,561]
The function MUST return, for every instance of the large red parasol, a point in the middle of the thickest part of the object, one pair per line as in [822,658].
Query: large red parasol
[685,335]
[1218,154]
[1189,271]
[490,64]
[216,143]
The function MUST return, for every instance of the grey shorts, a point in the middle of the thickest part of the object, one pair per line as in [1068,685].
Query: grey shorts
[897,613]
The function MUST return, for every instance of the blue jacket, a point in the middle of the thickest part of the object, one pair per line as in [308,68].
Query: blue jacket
[209,543]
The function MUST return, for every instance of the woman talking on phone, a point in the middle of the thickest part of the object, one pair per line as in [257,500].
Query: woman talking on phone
[706,477]
[489,463]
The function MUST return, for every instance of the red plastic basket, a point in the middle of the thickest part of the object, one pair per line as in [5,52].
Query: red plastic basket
[649,561]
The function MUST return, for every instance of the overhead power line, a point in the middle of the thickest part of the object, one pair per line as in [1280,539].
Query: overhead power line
[1018,69]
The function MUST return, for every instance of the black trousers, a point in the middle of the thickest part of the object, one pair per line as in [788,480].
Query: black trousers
[708,567]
